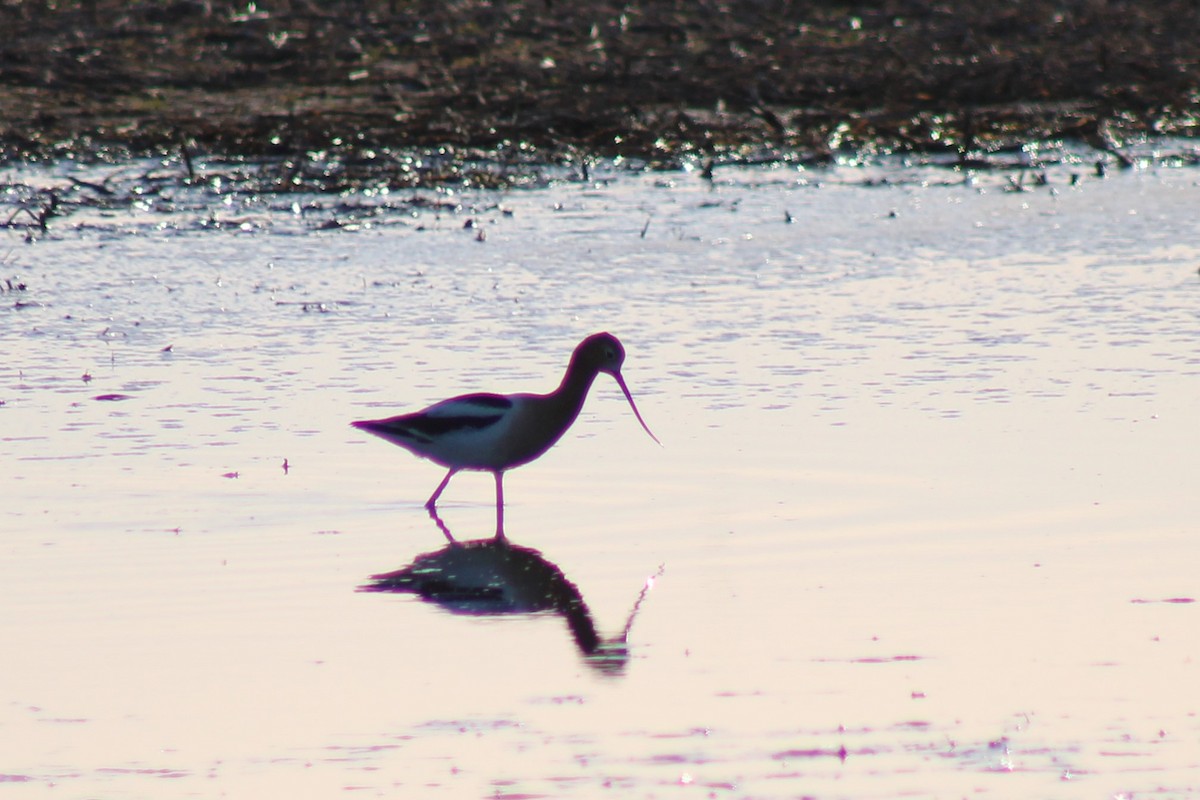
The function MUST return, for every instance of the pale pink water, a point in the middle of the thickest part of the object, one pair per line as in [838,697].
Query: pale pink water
[926,509]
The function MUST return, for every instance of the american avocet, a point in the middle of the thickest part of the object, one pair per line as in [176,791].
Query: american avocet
[494,433]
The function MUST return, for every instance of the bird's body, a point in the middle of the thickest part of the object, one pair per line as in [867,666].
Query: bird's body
[494,433]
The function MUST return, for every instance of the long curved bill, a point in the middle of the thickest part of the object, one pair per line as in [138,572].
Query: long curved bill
[629,397]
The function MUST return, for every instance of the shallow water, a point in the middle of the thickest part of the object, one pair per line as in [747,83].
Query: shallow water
[923,522]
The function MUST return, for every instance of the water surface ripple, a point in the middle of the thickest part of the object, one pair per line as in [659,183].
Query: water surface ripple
[924,520]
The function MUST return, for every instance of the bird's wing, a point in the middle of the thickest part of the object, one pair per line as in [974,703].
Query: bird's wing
[469,412]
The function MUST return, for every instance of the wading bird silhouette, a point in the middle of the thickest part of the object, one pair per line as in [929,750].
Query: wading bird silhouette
[495,433]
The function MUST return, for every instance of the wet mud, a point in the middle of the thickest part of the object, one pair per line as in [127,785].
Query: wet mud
[296,96]
[570,78]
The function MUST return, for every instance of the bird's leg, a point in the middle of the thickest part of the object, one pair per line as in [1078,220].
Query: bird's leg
[499,504]
[432,501]
[433,515]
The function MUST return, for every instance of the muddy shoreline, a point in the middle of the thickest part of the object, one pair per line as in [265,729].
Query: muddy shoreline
[557,81]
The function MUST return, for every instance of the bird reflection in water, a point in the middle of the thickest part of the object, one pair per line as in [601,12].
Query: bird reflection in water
[492,577]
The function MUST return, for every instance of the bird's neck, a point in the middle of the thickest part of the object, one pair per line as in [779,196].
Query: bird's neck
[573,390]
